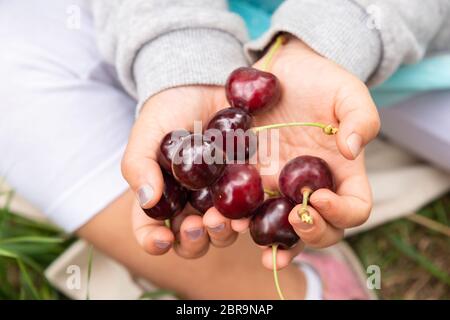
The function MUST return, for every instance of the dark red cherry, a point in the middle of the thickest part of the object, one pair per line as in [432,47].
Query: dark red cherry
[252,90]
[270,224]
[238,192]
[168,146]
[302,173]
[197,162]
[172,202]
[233,125]
[201,200]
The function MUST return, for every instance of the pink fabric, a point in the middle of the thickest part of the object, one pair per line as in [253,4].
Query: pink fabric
[340,282]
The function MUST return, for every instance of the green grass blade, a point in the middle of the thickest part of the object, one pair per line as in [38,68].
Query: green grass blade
[421,260]
[154,295]
[27,279]
[7,254]
[27,260]
[90,260]
[31,263]
[7,291]
[32,239]
[41,254]
[27,247]
[46,292]
[42,226]
[441,215]
[22,294]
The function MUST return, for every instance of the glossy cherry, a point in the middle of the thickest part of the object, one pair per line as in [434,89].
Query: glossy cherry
[233,125]
[270,224]
[304,173]
[253,90]
[172,202]
[238,192]
[168,146]
[197,162]
[201,200]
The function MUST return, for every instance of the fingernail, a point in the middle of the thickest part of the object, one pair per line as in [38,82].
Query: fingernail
[162,244]
[145,194]
[217,228]
[304,225]
[354,142]
[194,234]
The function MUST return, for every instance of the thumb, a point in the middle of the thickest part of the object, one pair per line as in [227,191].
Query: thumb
[139,164]
[359,122]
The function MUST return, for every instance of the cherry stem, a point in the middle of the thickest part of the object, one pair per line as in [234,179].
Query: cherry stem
[167,223]
[273,50]
[328,129]
[271,193]
[303,213]
[275,271]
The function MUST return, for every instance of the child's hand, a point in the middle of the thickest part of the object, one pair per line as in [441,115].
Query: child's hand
[316,89]
[169,110]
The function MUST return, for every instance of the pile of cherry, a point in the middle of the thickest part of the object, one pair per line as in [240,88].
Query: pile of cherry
[234,188]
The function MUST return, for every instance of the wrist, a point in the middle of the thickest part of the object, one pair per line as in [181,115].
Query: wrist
[339,33]
[296,45]
[210,96]
[184,58]
[292,46]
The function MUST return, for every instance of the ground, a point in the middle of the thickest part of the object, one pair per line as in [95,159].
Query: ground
[413,254]
[414,259]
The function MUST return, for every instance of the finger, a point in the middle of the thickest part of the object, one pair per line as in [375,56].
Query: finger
[192,239]
[358,118]
[139,163]
[241,225]
[319,234]
[219,228]
[177,221]
[345,210]
[151,235]
[284,257]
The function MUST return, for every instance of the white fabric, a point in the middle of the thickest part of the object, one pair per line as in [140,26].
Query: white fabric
[65,121]
[314,287]
[68,274]
[421,125]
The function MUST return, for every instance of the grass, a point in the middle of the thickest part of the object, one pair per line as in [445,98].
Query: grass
[414,258]
[413,254]
[26,249]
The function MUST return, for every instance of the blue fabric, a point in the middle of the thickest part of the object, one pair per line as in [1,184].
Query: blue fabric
[430,74]
[256,14]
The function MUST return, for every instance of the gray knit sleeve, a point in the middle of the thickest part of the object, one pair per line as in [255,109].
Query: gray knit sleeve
[370,38]
[156,44]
